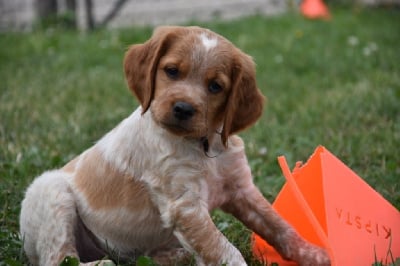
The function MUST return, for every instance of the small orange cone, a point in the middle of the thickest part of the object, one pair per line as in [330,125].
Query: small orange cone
[332,207]
[314,9]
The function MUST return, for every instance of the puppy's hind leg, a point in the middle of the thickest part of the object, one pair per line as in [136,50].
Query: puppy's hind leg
[48,220]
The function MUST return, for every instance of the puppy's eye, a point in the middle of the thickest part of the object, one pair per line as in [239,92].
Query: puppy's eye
[214,87]
[172,72]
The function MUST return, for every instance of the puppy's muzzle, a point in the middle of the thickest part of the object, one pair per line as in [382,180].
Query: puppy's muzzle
[183,111]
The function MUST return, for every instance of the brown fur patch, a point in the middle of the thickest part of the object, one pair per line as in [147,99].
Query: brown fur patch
[70,167]
[106,188]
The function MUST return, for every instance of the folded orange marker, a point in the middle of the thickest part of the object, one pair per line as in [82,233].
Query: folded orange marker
[330,206]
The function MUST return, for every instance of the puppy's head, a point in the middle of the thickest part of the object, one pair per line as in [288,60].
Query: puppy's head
[194,82]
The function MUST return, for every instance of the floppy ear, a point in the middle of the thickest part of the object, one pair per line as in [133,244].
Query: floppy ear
[141,61]
[245,102]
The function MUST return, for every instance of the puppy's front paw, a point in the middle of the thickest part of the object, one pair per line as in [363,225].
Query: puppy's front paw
[313,256]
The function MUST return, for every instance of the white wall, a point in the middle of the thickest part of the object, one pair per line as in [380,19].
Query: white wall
[19,14]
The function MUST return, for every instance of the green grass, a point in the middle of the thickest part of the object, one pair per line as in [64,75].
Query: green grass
[333,83]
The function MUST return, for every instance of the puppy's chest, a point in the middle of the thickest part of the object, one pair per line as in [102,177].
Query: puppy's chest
[175,180]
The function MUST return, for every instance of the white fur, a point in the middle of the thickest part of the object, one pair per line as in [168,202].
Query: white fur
[208,41]
[39,205]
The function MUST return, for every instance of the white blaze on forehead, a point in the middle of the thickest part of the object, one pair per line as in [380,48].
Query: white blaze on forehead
[208,42]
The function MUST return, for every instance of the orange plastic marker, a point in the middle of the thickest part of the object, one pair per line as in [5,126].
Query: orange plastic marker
[330,206]
[314,9]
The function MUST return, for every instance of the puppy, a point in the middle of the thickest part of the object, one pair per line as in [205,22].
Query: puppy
[146,188]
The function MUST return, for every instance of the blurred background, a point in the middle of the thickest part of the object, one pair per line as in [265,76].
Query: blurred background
[23,15]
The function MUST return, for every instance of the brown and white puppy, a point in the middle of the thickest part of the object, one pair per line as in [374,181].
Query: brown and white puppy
[146,188]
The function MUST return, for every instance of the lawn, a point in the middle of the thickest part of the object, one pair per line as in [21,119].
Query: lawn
[334,83]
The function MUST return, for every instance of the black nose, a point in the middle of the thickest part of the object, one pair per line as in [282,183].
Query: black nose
[183,111]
